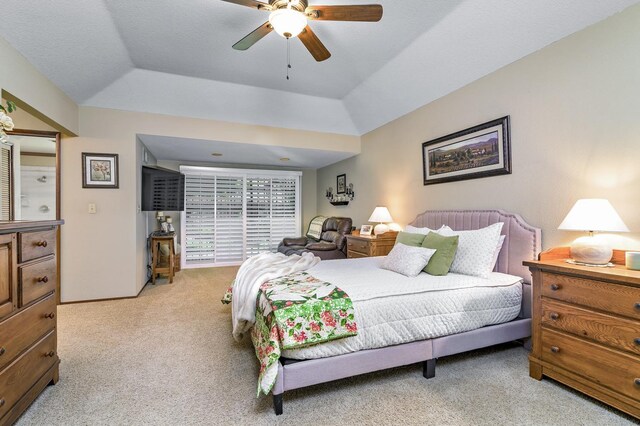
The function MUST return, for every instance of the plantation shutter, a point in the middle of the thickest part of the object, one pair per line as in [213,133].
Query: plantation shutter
[284,210]
[199,224]
[258,234]
[229,220]
[231,215]
[5,181]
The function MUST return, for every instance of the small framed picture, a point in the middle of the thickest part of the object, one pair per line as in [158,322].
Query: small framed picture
[366,230]
[341,184]
[99,170]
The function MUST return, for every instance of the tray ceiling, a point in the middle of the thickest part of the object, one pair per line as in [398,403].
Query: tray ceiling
[176,57]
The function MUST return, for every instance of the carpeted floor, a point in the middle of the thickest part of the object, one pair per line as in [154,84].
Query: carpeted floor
[167,358]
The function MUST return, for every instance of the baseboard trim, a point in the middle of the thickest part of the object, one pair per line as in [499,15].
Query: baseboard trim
[106,299]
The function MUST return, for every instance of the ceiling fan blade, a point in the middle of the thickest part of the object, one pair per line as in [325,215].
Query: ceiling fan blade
[314,45]
[253,37]
[362,13]
[251,3]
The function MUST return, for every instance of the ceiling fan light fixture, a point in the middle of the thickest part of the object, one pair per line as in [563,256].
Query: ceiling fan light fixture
[288,22]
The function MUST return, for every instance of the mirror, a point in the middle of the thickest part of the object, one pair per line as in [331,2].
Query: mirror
[29,176]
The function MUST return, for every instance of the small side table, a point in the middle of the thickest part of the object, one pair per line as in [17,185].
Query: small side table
[157,266]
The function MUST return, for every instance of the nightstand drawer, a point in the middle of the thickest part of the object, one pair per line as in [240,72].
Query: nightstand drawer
[612,369]
[355,255]
[609,330]
[614,298]
[361,247]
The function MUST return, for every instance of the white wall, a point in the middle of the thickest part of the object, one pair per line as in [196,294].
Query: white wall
[575,122]
[105,253]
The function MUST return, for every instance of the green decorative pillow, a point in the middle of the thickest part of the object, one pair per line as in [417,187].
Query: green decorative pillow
[408,239]
[445,247]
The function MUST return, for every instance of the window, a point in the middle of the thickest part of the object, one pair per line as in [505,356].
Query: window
[6,186]
[231,215]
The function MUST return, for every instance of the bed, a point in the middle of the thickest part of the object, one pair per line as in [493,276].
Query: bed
[508,319]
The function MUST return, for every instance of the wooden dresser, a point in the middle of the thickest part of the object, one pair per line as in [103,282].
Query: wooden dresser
[364,246]
[28,284]
[586,330]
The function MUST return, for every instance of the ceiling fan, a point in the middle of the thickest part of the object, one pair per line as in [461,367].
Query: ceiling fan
[289,19]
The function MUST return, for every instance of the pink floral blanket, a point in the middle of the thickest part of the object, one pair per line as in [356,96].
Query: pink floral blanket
[295,311]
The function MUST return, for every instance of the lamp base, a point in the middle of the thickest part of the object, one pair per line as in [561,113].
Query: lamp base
[380,228]
[592,251]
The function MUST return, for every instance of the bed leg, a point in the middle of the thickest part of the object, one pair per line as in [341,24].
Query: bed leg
[277,404]
[527,344]
[429,369]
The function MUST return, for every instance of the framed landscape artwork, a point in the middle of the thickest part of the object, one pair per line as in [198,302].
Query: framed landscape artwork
[477,152]
[341,184]
[99,170]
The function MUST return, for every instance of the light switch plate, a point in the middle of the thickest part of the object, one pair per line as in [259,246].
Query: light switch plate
[92,208]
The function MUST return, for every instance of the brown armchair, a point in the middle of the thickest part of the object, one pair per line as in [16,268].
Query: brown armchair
[331,245]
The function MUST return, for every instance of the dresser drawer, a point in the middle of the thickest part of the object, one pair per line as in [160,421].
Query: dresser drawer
[36,244]
[37,280]
[618,299]
[23,329]
[617,332]
[18,377]
[615,370]
[359,246]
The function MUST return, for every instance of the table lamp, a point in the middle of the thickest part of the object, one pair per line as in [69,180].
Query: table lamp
[382,216]
[592,215]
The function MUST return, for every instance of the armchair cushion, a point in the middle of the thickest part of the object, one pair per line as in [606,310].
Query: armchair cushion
[300,241]
[321,246]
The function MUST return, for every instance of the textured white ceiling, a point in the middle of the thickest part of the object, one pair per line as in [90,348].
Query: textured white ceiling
[176,57]
[197,150]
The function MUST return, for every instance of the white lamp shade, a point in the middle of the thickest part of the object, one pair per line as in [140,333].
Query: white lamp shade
[381,215]
[288,22]
[593,214]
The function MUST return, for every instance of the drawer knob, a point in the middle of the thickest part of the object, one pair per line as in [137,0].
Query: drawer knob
[2,351]
[2,401]
[637,341]
[51,315]
[42,243]
[555,287]
[637,382]
[44,279]
[554,316]
[555,349]
[50,354]
[637,306]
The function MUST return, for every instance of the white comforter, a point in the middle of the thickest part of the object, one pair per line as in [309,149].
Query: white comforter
[391,309]
[252,274]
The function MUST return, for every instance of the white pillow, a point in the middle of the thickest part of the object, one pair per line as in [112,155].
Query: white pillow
[496,254]
[407,260]
[475,250]
[423,231]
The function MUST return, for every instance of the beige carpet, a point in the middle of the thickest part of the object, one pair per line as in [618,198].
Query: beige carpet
[167,358]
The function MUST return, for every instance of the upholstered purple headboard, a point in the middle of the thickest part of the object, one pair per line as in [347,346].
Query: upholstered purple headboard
[522,242]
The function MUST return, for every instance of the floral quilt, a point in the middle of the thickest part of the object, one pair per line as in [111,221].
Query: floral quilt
[295,311]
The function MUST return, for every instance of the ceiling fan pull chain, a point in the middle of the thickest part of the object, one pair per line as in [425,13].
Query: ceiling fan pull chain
[288,57]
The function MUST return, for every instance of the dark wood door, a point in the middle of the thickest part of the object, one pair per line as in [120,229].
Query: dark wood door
[8,278]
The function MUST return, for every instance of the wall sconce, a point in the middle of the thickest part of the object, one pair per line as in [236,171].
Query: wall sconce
[341,199]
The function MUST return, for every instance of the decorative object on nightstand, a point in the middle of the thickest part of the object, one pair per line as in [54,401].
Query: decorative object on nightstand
[369,246]
[586,328]
[632,260]
[341,199]
[592,215]
[381,216]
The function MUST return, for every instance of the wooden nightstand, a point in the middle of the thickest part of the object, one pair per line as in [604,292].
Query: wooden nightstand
[363,246]
[586,330]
